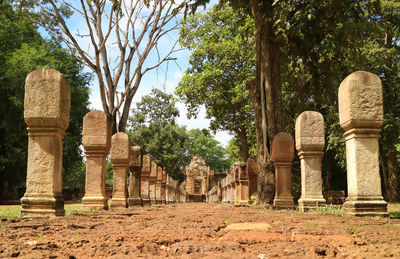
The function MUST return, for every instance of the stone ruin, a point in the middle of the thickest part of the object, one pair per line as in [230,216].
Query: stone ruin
[282,154]
[96,141]
[310,142]
[135,168]
[361,117]
[197,178]
[46,113]
[239,185]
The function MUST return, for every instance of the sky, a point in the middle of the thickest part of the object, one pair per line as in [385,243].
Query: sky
[166,77]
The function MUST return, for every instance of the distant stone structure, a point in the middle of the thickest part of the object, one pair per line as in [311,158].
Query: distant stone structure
[120,158]
[282,154]
[96,141]
[46,113]
[310,142]
[197,178]
[361,116]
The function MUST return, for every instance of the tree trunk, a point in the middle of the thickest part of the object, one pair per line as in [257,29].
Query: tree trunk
[244,145]
[269,85]
[392,181]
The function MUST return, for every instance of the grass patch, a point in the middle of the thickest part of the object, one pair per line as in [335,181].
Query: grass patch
[15,210]
[10,211]
[329,210]
[394,210]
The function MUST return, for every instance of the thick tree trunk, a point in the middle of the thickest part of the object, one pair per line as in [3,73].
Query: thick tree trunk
[244,145]
[269,84]
[392,181]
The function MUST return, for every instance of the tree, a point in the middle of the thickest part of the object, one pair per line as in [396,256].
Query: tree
[200,142]
[304,49]
[222,61]
[22,51]
[153,127]
[135,28]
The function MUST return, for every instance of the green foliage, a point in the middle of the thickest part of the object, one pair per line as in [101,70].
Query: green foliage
[153,127]
[109,174]
[23,50]
[200,142]
[222,61]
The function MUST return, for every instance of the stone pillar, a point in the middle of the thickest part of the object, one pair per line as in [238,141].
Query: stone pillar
[46,113]
[243,184]
[167,189]
[361,116]
[282,156]
[310,142]
[163,187]
[145,180]
[135,168]
[219,192]
[158,184]
[96,140]
[236,185]
[252,175]
[120,158]
[152,182]
[223,189]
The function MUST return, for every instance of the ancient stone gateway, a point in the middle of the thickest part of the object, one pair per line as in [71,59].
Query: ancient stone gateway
[310,142]
[96,140]
[197,173]
[135,168]
[46,113]
[282,156]
[361,116]
[120,158]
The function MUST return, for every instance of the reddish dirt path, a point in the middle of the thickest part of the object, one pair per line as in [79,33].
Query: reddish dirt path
[199,230]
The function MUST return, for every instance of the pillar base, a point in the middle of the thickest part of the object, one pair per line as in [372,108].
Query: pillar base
[95,202]
[42,206]
[118,203]
[163,201]
[362,208]
[284,203]
[307,204]
[134,202]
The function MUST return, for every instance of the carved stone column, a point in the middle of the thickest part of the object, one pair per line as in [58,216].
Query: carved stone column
[361,116]
[96,141]
[120,158]
[46,112]
[135,168]
[282,155]
[310,142]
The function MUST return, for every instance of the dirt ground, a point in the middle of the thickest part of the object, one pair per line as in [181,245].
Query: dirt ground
[199,230]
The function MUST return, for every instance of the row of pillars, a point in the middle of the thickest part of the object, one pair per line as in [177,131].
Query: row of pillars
[238,186]
[149,183]
[47,113]
[361,116]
